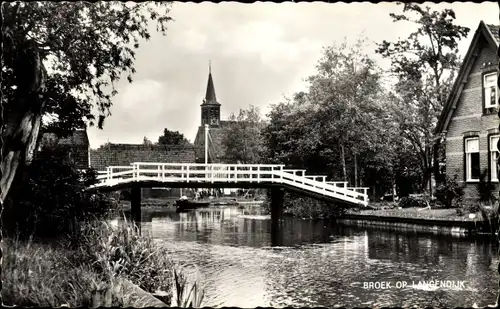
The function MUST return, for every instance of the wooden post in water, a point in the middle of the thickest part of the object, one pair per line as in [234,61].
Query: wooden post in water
[277,195]
[135,203]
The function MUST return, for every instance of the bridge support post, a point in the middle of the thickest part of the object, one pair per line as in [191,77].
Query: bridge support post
[135,203]
[277,195]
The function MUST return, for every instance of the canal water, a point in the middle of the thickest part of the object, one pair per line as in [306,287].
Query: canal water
[244,262]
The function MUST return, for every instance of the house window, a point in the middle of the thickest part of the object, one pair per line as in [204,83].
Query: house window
[493,158]
[490,90]
[472,169]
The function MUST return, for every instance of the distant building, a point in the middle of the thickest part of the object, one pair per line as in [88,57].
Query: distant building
[469,118]
[210,115]
[77,144]
[125,154]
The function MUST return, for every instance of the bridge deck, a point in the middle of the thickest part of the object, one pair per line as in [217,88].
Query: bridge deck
[228,175]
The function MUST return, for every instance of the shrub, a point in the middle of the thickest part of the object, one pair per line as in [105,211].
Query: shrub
[485,188]
[471,208]
[123,251]
[408,202]
[37,275]
[450,193]
[54,196]
[305,207]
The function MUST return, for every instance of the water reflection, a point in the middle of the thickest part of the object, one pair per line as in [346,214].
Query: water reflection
[246,262]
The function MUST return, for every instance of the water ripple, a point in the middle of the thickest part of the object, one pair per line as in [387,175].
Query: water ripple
[245,263]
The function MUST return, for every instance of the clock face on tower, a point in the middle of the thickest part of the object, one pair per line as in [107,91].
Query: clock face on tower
[213,121]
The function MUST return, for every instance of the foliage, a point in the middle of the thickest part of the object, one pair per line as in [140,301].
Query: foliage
[172,138]
[146,141]
[490,216]
[187,298]
[339,126]
[310,208]
[55,197]
[485,188]
[424,73]
[123,252]
[63,59]
[241,138]
[450,193]
[410,202]
[470,207]
[85,46]
[37,275]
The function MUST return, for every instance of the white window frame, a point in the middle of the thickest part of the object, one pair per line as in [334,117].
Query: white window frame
[468,159]
[493,158]
[487,90]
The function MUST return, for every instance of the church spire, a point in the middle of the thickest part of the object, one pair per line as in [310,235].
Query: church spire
[210,95]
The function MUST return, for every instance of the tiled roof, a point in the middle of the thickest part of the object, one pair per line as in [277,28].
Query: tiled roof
[79,137]
[485,32]
[494,29]
[210,95]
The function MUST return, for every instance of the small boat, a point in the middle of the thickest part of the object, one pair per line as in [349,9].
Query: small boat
[185,205]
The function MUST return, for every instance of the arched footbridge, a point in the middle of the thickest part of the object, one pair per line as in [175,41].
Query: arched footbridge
[198,175]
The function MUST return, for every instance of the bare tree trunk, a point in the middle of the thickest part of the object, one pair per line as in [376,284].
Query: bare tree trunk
[356,170]
[343,161]
[23,117]
[393,191]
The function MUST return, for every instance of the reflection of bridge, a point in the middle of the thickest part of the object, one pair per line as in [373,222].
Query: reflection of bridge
[191,175]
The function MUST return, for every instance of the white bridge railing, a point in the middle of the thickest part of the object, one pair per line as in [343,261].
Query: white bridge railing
[231,173]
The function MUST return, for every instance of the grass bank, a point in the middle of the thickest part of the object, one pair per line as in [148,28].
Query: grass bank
[51,275]
[415,213]
[462,214]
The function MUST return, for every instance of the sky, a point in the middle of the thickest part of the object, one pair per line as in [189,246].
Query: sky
[260,53]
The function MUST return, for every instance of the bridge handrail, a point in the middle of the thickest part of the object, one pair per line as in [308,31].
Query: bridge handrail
[230,172]
[312,183]
[209,164]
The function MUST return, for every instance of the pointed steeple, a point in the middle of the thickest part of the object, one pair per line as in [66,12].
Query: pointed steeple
[210,95]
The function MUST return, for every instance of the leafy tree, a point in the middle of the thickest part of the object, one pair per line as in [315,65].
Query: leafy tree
[340,125]
[63,59]
[425,64]
[288,137]
[172,138]
[346,92]
[54,196]
[146,141]
[241,138]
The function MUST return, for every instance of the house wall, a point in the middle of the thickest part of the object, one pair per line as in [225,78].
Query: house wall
[216,133]
[468,119]
[125,154]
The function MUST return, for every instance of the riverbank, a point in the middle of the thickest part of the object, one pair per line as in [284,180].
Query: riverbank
[169,203]
[440,221]
[112,266]
[449,214]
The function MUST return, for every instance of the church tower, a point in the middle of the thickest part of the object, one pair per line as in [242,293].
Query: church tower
[210,108]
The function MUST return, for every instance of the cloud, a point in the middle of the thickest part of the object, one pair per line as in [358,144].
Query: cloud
[259,53]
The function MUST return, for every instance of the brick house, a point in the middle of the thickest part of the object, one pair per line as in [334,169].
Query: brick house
[469,119]
[77,145]
[125,154]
